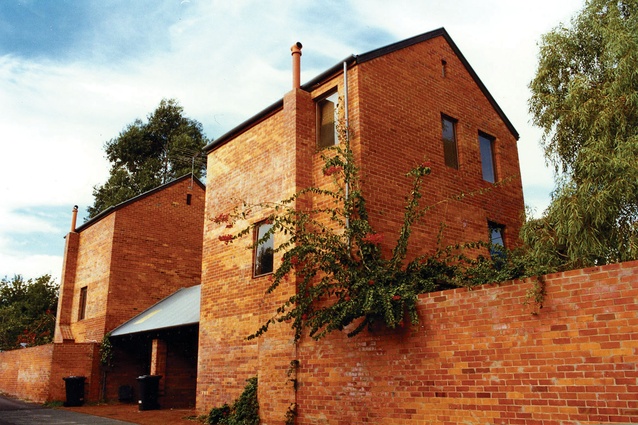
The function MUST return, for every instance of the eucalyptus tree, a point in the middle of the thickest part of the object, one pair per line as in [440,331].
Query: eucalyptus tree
[585,99]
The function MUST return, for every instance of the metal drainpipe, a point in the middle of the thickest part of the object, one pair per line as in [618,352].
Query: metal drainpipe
[345,115]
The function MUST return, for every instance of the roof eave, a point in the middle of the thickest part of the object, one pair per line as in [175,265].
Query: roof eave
[482,86]
[113,208]
[250,122]
[441,32]
[362,58]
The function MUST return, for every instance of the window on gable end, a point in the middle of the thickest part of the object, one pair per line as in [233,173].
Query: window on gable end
[327,119]
[82,306]
[486,145]
[264,250]
[448,126]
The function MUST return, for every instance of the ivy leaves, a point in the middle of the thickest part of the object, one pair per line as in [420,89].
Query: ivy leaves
[333,256]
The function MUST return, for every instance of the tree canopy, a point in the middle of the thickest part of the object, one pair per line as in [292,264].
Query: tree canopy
[585,99]
[148,154]
[27,311]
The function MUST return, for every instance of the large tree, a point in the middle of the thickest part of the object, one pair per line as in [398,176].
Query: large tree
[585,99]
[148,154]
[27,311]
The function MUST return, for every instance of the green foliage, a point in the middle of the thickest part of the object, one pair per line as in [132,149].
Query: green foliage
[536,294]
[244,411]
[291,414]
[55,404]
[27,311]
[291,373]
[585,98]
[334,255]
[106,351]
[219,415]
[147,155]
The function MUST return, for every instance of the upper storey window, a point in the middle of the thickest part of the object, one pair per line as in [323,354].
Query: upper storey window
[449,141]
[264,250]
[327,121]
[487,157]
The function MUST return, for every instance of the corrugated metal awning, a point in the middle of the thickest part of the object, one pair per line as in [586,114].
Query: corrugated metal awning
[178,309]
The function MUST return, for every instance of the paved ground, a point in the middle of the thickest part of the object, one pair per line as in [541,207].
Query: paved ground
[14,412]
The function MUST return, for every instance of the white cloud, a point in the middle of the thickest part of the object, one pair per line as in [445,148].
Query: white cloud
[499,39]
[30,266]
[26,222]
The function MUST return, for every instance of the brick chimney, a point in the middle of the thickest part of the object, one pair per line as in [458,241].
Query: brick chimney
[296,65]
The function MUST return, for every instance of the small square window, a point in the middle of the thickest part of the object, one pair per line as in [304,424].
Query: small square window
[326,121]
[449,142]
[82,306]
[264,250]
[486,144]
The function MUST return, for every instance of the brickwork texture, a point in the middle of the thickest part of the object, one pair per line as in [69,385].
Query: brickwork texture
[36,373]
[481,357]
[128,259]
[395,103]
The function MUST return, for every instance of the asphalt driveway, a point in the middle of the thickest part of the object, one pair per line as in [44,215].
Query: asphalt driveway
[16,412]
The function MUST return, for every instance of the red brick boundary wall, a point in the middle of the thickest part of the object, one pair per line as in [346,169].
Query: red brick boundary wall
[481,357]
[36,373]
[25,373]
[80,359]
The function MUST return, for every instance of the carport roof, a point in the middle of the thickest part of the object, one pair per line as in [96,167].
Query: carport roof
[178,309]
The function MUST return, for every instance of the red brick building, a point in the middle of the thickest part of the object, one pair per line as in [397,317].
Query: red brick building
[122,262]
[411,101]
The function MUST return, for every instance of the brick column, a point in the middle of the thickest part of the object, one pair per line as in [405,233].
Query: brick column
[67,287]
[276,347]
[158,361]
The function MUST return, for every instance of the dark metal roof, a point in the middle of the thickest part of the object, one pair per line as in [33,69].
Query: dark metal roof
[358,59]
[260,116]
[109,210]
[179,309]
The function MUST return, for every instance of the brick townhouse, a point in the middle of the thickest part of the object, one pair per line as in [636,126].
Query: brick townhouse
[414,100]
[117,265]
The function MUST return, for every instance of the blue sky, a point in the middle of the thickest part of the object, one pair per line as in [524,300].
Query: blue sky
[74,73]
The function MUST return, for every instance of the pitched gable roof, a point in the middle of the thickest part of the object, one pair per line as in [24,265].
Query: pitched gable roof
[362,58]
[114,208]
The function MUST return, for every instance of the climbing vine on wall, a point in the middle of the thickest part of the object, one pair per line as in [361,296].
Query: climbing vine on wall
[106,351]
[244,411]
[333,253]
